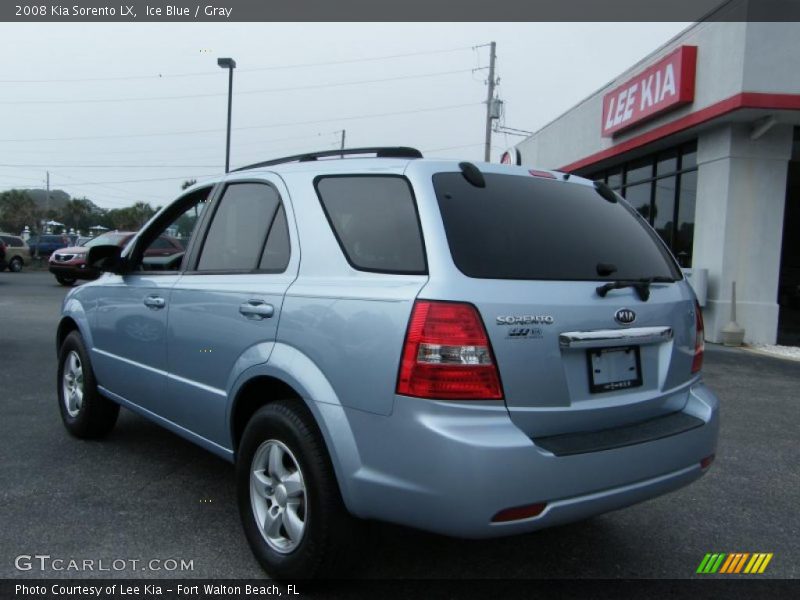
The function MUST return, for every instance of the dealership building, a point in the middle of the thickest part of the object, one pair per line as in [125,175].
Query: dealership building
[703,138]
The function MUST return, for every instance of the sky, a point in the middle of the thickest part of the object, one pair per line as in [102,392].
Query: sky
[126,112]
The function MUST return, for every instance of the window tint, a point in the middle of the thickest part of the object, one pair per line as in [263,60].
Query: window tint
[375,221]
[520,227]
[275,257]
[235,239]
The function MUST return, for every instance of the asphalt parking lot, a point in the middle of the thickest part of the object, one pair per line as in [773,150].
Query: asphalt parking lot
[145,494]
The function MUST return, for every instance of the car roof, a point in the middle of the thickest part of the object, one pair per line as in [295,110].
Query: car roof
[390,166]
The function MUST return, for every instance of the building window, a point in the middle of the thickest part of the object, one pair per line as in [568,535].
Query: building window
[663,188]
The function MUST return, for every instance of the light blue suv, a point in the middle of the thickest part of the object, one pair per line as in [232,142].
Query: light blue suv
[471,349]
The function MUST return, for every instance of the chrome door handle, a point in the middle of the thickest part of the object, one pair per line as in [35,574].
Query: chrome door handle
[155,302]
[256,309]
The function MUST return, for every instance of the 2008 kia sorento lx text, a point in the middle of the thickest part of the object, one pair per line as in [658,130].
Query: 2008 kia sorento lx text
[471,349]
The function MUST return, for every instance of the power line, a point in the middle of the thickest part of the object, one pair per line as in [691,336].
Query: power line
[240,70]
[106,166]
[185,176]
[239,93]
[209,150]
[252,127]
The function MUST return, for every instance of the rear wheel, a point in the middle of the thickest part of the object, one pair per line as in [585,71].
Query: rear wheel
[289,500]
[15,266]
[67,281]
[85,413]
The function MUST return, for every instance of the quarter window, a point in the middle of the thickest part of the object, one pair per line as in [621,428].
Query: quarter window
[375,221]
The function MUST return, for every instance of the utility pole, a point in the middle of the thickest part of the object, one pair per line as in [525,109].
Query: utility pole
[43,222]
[343,134]
[489,98]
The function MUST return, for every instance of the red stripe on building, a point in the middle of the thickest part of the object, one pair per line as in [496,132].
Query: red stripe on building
[737,102]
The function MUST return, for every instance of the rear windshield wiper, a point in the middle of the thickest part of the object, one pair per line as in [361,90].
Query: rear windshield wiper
[642,286]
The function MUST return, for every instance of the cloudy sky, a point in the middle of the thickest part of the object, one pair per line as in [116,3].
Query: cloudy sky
[125,112]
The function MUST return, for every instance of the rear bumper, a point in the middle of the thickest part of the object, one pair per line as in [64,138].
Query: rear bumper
[449,468]
[80,271]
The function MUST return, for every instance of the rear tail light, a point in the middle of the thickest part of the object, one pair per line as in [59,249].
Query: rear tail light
[699,343]
[447,355]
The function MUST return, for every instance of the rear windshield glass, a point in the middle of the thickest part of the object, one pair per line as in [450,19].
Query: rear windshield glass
[375,221]
[520,227]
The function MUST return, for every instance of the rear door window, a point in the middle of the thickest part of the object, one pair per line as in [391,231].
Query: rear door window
[521,227]
[237,237]
[375,220]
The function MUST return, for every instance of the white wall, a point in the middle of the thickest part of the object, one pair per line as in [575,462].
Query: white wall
[741,192]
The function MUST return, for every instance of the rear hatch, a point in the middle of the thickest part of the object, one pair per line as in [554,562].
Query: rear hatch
[532,252]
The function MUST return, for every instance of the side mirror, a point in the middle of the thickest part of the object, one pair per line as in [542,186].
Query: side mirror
[106,258]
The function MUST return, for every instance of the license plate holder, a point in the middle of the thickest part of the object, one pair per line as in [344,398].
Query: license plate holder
[614,369]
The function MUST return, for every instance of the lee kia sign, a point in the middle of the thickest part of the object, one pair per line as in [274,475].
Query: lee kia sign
[664,86]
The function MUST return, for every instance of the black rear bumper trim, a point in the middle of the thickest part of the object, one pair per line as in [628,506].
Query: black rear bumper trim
[618,437]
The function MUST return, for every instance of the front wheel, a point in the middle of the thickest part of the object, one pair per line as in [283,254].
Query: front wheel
[289,500]
[66,281]
[85,413]
[15,266]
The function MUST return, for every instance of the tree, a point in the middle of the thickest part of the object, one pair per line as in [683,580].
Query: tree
[130,218]
[142,211]
[77,213]
[17,209]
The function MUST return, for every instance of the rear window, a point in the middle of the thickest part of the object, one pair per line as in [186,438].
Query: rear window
[375,221]
[520,227]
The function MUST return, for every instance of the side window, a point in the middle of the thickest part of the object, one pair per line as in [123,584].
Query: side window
[375,221]
[237,238]
[275,257]
[167,250]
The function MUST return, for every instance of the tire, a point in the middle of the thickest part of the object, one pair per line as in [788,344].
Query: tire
[85,413]
[313,529]
[66,281]
[15,266]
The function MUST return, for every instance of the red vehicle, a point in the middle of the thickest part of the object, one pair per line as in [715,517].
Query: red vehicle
[69,264]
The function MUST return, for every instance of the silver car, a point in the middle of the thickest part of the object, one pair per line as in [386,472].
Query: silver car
[471,349]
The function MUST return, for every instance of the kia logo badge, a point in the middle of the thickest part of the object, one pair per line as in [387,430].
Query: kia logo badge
[625,316]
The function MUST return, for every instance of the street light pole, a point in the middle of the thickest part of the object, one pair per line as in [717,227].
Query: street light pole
[230,64]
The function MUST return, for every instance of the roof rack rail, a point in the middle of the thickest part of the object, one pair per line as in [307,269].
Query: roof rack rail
[379,152]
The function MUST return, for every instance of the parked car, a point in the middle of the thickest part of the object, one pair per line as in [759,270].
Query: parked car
[69,264]
[2,255]
[82,239]
[476,350]
[17,253]
[46,244]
